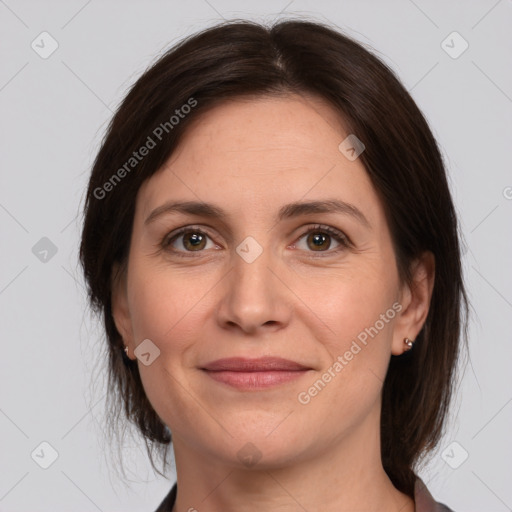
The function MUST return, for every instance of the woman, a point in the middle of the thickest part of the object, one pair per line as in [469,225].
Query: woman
[270,238]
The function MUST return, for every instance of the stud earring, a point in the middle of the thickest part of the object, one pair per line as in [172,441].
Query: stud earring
[127,351]
[409,343]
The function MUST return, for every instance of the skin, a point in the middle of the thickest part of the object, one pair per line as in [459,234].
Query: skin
[296,301]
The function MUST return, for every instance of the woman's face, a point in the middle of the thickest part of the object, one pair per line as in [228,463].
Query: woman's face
[254,283]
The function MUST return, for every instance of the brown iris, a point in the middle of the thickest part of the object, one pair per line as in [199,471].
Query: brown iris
[197,241]
[319,240]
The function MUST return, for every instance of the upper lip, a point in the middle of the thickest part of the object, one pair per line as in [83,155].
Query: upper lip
[261,364]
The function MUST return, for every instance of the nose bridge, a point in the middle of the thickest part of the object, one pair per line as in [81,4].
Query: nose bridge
[251,273]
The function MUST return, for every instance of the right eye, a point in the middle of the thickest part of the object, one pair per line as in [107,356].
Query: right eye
[186,240]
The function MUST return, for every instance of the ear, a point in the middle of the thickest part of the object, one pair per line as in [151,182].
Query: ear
[120,309]
[415,301]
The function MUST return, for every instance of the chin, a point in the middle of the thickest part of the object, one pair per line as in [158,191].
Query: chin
[259,450]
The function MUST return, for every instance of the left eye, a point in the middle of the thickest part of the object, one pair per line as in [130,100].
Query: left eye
[319,238]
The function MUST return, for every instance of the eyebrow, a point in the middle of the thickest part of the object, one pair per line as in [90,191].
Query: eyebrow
[288,211]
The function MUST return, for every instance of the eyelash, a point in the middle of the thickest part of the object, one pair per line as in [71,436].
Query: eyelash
[339,236]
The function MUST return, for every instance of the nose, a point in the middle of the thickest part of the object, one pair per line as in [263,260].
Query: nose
[253,297]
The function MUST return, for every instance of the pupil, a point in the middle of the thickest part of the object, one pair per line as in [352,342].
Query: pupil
[195,239]
[319,239]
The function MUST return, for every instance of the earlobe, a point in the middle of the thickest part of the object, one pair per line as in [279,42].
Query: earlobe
[416,297]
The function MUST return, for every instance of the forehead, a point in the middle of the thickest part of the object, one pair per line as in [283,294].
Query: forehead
[256,154]
[290,125]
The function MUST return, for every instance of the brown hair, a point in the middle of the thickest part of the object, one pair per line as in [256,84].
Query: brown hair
[402,158]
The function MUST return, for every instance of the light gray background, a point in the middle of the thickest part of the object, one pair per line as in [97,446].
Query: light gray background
[53,114]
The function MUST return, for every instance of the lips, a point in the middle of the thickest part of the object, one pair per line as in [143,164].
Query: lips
[262,364]
[254,374]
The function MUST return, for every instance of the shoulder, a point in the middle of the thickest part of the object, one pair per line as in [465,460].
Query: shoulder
[168,502]
[424,501]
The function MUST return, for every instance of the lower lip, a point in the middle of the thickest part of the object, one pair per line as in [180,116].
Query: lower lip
[255,380]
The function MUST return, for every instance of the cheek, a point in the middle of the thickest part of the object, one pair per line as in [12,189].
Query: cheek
[163,303]
[164,306]
[353,322]
[356,348]
[346,301]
